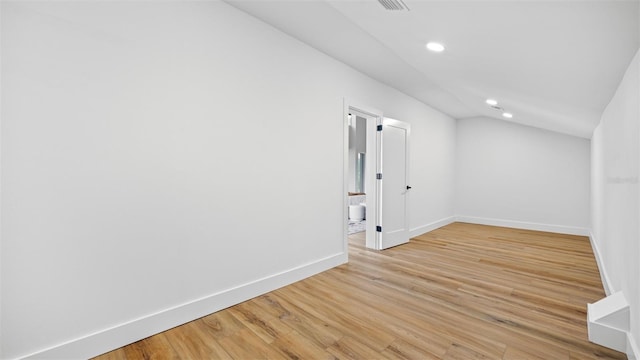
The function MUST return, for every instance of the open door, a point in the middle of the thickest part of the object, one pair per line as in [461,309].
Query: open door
[393,183]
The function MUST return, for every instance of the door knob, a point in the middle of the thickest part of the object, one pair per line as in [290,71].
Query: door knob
[408,187]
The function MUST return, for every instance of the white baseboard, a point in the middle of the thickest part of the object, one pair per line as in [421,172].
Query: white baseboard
[430,227]
[633,352]
[604,276]
[570,230]
[112,338]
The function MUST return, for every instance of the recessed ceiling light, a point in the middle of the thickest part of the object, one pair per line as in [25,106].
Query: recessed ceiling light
[492,102]
[507,115]
[436,47]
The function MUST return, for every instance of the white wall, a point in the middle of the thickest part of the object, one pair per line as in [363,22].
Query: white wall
[519,176]
[153,158]
[432,170]
[615,152]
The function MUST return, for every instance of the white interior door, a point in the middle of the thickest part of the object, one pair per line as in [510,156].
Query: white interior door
[394,183]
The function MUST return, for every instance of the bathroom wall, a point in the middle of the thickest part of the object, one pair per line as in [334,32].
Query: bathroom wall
[152,153]
[357,199]
[357,144]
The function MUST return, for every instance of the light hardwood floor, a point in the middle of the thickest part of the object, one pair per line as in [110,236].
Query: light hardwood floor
[460,292]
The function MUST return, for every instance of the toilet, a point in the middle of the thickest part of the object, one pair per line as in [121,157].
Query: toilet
[357,212]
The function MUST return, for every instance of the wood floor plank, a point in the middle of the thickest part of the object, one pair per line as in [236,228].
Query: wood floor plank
[154,347]
[315,329]
[221,324]
[401,349]
[245,344]
[297,346]
[265,326]
[350,348]
[189,340]
[535,350]
[461,352]
[463,291]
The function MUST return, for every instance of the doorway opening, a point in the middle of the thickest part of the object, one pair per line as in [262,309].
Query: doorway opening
[361,191]
[357,190]
[376,173]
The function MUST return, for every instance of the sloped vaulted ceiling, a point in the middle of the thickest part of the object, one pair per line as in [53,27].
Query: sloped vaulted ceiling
[552,64]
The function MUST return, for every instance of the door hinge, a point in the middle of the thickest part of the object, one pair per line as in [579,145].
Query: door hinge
[378,228]
[379,127]
[379,176]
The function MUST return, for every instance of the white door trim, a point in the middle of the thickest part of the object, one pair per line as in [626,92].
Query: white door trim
[374,118]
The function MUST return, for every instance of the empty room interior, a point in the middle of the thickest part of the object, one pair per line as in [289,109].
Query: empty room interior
[369,179]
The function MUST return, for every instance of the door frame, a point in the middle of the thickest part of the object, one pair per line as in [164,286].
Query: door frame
[374,118]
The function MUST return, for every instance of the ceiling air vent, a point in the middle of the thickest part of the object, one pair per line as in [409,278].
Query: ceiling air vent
[393,4]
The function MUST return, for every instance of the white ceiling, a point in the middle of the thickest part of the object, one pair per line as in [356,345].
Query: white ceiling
[553,64]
